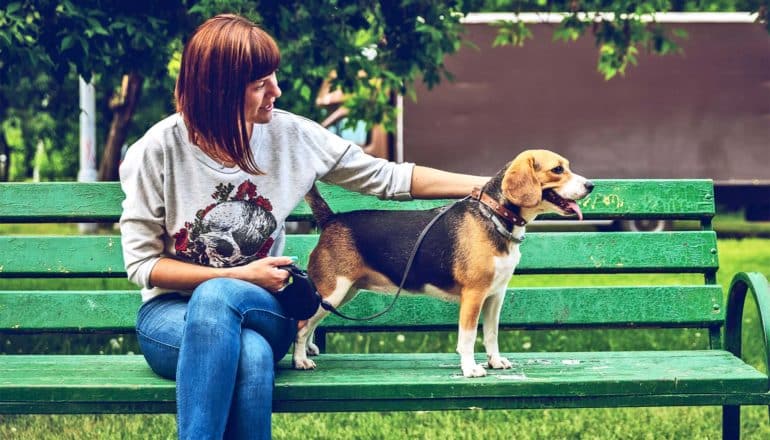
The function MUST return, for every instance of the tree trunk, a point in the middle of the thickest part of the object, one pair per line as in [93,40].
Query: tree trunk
[123,106]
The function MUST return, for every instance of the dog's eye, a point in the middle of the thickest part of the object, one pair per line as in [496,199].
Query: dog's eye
[557,170]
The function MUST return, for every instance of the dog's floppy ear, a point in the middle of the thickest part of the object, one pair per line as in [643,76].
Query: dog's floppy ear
[520,184]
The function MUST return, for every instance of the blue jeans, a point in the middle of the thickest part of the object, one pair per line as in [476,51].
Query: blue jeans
[221,345]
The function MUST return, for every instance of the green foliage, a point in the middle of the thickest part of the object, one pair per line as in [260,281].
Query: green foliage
[512,33]
[375,48]
[45,45]
[36,110]
[621,28]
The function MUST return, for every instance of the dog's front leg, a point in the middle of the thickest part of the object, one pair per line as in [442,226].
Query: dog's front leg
[312,348]
[492,307]
[300,359]
[303,346]
[470,307]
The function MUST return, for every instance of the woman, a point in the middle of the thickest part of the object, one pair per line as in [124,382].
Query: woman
[207,193]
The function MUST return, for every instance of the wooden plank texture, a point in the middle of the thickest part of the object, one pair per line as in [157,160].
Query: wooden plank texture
[403,404]
[554,307]
[659,306]
[60,202]
[374,381]
[548,252]
[100,201]
[69,311]
[383,382]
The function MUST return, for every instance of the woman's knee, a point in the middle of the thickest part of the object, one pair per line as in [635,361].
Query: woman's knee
[239,295]
[218,295]
[216,289]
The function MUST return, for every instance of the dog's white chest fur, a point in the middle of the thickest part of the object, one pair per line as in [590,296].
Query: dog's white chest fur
[504,267]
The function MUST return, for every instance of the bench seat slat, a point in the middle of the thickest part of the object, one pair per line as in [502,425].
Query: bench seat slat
[375,381]
[553,252]
[679,306]
[101,201]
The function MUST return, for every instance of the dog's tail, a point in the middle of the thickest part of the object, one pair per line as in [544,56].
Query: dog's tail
[318,205]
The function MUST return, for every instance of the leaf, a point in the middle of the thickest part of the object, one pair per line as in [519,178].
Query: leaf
[500,40]
[566,34]
[680,33]
[305,92]
[101,31]
[12,8]
[66,43]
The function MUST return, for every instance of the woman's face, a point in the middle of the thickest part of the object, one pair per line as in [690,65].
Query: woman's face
[259,99]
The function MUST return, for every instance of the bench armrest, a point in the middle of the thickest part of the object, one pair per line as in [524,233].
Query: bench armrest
[742,283]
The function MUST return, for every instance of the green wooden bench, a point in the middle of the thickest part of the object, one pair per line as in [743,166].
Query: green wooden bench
[712,375]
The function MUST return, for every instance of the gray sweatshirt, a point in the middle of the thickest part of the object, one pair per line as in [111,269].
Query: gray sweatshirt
[182,204]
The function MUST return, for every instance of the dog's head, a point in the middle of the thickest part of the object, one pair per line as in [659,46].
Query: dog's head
[541,181]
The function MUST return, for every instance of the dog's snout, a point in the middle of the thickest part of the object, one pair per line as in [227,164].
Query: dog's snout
[589,185]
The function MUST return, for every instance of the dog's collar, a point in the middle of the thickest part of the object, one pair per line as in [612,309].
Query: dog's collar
[501,229]
[504,213]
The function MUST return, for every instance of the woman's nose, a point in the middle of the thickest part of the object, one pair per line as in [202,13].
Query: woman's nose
[275,89]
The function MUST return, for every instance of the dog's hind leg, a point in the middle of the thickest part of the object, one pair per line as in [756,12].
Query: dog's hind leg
[491,310]
[302,344]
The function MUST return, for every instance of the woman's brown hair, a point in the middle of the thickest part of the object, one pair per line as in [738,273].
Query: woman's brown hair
[222,57]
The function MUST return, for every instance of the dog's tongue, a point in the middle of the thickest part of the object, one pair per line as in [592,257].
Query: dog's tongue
[574,206]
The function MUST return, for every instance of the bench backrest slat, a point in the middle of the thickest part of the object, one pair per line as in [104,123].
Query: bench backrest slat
[630,306]
[596,252]
[83,202]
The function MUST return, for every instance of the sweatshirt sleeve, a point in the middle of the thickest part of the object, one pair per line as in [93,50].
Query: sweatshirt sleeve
[360,172]
[142,221]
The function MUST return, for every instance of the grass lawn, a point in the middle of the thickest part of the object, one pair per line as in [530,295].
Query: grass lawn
[624,423]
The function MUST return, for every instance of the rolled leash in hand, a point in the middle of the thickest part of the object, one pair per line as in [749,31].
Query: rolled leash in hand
[299,298]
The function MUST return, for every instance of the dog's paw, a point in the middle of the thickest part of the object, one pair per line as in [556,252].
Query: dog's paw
[312,349]
[304,364]
[499,363]
[474,370]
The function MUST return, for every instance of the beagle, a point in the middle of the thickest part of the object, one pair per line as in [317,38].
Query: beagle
[468,255]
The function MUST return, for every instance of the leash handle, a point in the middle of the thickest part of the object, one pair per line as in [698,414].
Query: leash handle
[328,307]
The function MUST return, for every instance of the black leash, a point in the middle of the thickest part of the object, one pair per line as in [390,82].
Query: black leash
[328,307]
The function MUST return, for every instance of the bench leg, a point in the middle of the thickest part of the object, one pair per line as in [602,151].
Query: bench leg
[731,422]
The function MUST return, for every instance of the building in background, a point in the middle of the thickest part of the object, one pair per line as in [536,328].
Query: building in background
[702,114]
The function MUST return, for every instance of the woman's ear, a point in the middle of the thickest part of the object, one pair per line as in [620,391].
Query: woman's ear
[520,185]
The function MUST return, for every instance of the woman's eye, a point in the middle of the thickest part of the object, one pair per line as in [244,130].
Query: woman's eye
[557,170]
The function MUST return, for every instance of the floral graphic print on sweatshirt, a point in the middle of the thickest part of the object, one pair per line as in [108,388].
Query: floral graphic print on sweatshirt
[234,230]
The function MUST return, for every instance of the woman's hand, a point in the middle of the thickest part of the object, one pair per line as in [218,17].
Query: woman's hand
[170,273]
[265,273]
